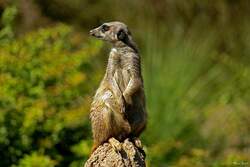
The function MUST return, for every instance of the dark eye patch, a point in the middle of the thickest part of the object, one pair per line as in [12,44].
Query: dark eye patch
[105,28]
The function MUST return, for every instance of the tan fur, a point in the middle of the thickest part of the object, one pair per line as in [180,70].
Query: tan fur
[118,108]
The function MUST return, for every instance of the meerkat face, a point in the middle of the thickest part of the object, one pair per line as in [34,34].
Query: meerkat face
[111,32]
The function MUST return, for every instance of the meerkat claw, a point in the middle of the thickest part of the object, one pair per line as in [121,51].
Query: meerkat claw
[137,142]
[115,144]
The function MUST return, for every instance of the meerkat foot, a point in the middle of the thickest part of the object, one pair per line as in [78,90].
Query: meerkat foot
[115,144]
[137,142]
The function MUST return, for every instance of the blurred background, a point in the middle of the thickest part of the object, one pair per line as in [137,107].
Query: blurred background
[196,68]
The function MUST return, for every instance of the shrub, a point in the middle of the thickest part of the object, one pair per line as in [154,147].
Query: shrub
[36,160]
[45,83]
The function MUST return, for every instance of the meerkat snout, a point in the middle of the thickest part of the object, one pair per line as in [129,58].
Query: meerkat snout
[91,32]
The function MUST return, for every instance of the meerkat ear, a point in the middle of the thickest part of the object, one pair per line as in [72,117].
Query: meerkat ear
[121,35]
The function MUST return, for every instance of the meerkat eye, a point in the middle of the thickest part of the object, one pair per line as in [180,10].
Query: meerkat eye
[105,28]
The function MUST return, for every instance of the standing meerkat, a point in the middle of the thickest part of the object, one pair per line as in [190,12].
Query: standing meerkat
[118,108]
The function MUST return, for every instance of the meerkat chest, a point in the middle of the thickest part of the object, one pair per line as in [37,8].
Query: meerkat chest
[119,60]
[121,72]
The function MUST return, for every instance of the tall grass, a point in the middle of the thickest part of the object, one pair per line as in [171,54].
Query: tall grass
[184,75]
[171,69]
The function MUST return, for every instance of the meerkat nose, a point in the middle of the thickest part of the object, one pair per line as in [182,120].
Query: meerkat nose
[91,32]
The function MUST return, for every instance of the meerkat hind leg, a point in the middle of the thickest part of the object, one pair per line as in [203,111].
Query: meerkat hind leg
[115,144]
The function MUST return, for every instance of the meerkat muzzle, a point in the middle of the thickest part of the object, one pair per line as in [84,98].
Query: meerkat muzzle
[91,32]
[95,33]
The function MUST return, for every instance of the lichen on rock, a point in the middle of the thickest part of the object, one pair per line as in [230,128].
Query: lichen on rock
[107,156]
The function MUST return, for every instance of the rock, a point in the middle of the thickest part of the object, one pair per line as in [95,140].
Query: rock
[107,156]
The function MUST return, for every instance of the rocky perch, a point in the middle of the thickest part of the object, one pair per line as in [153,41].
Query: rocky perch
[128,155]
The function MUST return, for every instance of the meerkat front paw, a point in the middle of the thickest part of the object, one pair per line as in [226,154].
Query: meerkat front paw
[122,104]
[115,144]
[128,99]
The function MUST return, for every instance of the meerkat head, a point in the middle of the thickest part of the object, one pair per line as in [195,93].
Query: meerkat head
[116,33]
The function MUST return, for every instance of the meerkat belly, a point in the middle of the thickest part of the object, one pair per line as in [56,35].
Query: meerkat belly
[122,77]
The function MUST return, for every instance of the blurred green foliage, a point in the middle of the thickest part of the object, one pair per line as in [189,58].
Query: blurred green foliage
[196,68]
[7,21]
[37,160]
[199,115]
[45,81]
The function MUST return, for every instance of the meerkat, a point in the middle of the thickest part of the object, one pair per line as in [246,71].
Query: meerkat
[118,108]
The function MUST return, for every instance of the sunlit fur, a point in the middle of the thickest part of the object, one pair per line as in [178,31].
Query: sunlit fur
[118,108]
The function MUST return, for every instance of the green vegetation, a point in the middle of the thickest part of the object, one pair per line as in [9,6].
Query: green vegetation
[196,69]
[196,106]
[46,80]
